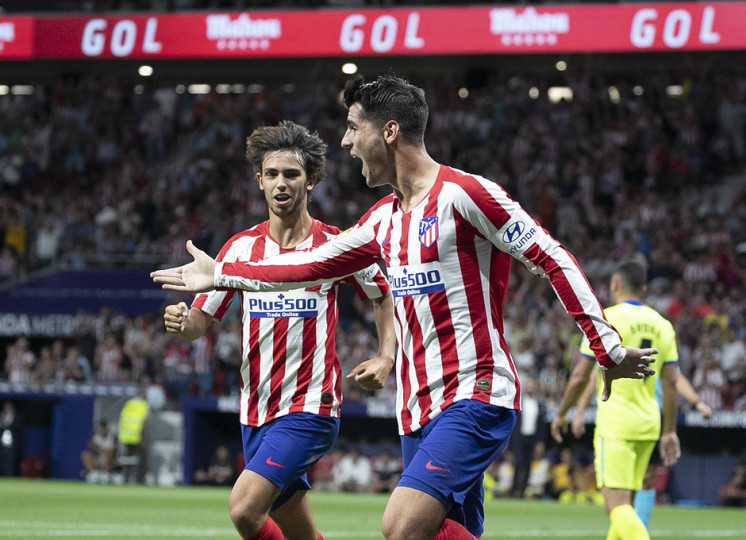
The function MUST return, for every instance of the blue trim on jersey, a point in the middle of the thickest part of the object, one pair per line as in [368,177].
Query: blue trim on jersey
[633,302]
[284,449]
[448,456]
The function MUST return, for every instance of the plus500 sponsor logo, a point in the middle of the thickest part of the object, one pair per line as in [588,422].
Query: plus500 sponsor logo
[415,279]
[283,306]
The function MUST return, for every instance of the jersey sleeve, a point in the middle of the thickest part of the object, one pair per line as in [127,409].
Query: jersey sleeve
[671,352]
[510,228]
[370,282]
[217,302]
[345,254]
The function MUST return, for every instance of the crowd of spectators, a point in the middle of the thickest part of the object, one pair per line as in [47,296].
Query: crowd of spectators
[95,170]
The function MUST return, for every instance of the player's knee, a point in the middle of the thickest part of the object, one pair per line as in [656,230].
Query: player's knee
[246,520]
[397,529]
[388,526]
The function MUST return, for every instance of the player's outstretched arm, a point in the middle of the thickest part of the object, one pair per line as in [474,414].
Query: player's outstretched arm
[194,277]
[634,366]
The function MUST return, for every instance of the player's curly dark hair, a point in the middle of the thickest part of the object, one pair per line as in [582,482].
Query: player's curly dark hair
[388,97]
[287,135]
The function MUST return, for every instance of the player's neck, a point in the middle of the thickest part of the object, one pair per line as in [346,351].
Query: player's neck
[416,173]
[621,298]
[290,231]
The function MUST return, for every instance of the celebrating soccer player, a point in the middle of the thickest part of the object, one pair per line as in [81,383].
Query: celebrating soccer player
[290,375]
[446,238]
[629,424]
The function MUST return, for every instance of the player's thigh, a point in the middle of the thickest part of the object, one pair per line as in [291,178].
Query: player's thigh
[411,513]
[620,463]
[252,496]
[285,449]
[295,518]
[448,459]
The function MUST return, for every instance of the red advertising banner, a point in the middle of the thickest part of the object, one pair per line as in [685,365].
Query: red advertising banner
[397,31]
[16,38]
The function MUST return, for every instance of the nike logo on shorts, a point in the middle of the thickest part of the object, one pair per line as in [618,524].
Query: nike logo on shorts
[270,462]
[430,467]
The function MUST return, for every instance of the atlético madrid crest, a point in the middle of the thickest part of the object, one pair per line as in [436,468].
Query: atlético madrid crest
[429,230]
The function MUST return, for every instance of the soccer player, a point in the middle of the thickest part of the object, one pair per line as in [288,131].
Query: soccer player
[628,425]
[290,374]
[446,238]
[645,497]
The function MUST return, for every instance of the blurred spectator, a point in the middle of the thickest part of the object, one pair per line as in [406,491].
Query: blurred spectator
[99,458]
[108,359]
[220,470]
[19,361]
[353,472]
[47,370]
[498,478]
[733,350]
[561,473]
[76,367]
[709,380]
[321,475]
[581,488]
[132,435]
[552,378]
[11,439]
[8,264]
[529,432]
[539,477]
[386,472]
[734,492]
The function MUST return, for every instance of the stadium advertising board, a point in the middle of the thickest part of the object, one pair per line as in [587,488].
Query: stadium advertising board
[47,306]
[16,38]
[397,31]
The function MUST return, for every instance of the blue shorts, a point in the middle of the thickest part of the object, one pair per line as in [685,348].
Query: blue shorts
[448,456]
[284,449]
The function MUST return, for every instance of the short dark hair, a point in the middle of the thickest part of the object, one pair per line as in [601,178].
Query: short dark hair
[287,135]
[633,274]
[390,98]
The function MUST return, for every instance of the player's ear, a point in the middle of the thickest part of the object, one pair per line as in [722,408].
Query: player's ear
[310,183]
[259,181]
[391,131]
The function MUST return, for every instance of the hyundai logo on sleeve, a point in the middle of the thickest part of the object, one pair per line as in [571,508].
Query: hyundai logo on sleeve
[514,232]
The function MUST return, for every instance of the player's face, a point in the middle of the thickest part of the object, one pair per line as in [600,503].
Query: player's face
[366,143]
[284,183]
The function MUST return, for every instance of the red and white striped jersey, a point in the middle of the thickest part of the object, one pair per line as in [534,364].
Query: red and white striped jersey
[289,357]
[448,266]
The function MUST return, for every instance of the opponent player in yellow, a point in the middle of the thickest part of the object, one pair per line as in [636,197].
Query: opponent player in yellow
[629,423]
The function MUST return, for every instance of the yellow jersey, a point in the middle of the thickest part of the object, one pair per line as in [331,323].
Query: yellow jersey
[632,412]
